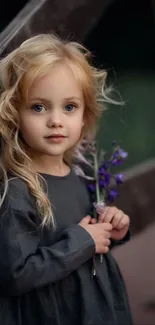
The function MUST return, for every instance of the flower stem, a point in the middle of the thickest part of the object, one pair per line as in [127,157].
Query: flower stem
[96,178]
[96,167]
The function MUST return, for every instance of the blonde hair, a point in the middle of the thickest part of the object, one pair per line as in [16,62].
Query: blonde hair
[18,71]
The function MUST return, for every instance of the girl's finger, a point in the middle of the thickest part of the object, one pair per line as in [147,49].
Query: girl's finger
[93,221]
[110,214]
[102,215]
[117,218]
[124,222]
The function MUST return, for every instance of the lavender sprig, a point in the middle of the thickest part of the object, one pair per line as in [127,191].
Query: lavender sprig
[105,179]
[101,184]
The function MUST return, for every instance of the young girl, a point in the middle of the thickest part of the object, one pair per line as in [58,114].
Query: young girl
[48,103]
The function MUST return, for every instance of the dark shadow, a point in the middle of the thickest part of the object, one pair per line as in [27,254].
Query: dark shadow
[9,9]
[124,39]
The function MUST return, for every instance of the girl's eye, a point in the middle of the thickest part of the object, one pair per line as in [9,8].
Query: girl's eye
[38,108]
[70,107]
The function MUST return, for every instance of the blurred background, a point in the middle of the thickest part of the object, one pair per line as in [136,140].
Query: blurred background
[121,36]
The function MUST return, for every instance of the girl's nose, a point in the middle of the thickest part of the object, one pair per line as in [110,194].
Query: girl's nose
[55,119]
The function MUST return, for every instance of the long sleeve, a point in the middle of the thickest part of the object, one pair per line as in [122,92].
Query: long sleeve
[26,265]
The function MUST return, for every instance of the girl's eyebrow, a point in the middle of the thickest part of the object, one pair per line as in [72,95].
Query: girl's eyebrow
[48,101]
[31,99]
[73,98]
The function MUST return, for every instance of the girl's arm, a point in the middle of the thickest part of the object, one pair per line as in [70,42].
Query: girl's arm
[25,265]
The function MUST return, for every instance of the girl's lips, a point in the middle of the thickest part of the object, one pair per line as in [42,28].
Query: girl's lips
[56,138]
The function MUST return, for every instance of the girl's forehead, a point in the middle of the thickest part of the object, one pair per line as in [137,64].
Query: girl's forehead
[59,80]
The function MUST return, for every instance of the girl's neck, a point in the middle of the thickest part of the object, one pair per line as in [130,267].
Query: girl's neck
[52,166]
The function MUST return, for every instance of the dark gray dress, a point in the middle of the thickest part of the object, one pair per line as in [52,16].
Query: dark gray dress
[45,275]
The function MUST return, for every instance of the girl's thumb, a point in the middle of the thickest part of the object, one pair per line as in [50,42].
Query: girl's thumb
[85,221]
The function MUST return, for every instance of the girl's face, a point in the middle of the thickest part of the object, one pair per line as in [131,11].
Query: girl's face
[52,121]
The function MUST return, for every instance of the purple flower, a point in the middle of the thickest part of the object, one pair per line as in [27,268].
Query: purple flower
[88,153]
[116,162]
[106,165]
[118,156]
[104,177]
[104,182]
[92,187]
[123,154]
[119,178]
[102,172]
[112,195]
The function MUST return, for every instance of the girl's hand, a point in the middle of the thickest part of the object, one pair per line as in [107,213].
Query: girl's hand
[118,219]
[100,233]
